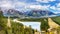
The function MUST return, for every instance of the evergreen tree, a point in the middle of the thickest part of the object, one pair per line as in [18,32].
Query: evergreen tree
[2,20]
[44,24]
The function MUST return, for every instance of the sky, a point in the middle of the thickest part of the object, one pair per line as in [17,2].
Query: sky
[25,5]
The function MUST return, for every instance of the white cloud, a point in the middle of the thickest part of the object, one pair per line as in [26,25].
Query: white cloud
[53,7]
[23,6]
[52,0]
[44,7]
[45,1]
[56,9]
[58,5]
[19,4]
[6,4]
[9,4]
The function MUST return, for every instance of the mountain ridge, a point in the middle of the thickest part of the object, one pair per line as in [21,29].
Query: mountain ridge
[32,13]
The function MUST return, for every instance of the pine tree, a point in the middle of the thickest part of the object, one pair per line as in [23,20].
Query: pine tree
[44,24]
[2,21]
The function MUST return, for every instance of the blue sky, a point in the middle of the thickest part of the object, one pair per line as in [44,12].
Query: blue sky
[24,5]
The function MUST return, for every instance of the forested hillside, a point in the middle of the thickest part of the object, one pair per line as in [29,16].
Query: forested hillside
[16,28]
[56,19]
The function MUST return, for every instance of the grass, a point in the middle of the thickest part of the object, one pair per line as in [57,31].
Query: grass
[57,20]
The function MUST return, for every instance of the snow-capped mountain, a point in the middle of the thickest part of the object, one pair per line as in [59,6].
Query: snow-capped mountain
[13,13]
[38,13]
[30,14]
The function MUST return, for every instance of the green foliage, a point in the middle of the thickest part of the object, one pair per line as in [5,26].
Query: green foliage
[44,24]
[3,20]
[56,20]
[28,30]
[18,28]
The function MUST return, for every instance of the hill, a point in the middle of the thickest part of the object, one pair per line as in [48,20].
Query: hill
[56,19]
[16,28]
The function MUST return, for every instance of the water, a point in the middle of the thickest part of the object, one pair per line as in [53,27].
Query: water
[34,25]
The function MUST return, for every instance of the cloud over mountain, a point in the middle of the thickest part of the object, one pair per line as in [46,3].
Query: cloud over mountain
[24,5]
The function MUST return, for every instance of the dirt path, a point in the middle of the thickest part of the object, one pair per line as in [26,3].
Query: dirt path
[52,23]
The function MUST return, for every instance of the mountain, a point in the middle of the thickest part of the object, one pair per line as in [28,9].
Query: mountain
[30,14]
[39,13]
[13,13]
[58,14]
